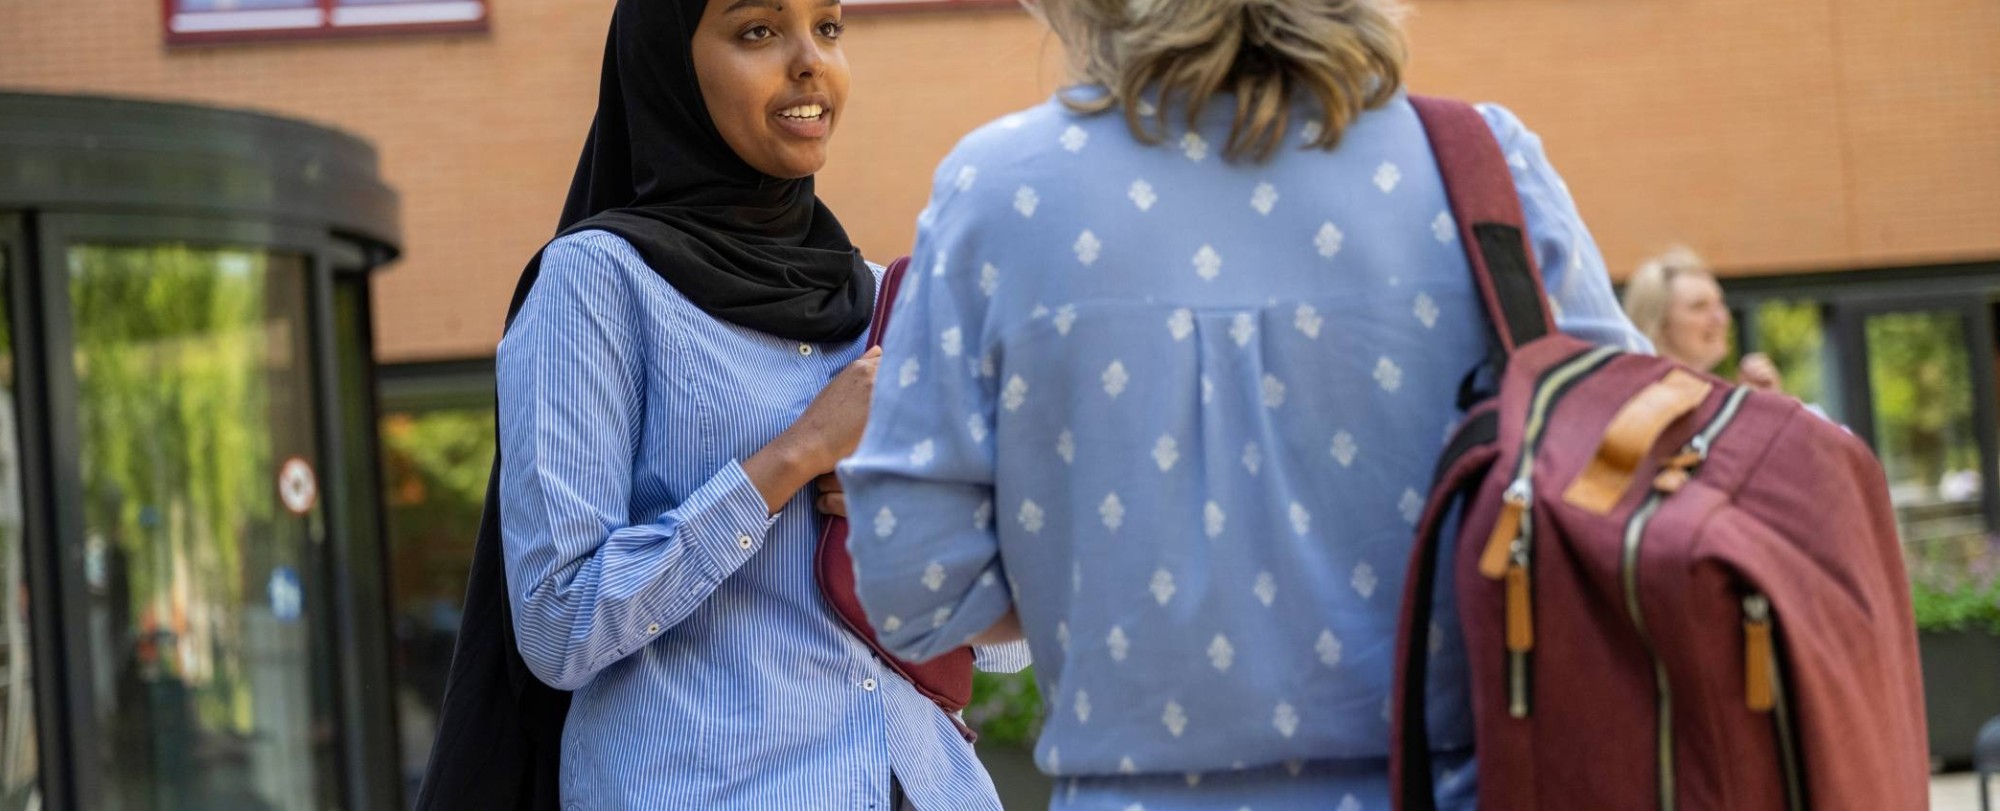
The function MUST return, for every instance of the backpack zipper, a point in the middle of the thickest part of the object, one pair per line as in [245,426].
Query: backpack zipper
[1668,482]
[1509,551]
[1764,689]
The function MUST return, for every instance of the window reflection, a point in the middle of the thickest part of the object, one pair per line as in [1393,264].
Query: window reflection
[194,389]
[1920,379]
[436,455]
[1793,334]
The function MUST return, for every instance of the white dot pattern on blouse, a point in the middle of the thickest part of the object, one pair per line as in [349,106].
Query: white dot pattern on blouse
[1387,177]
[1266,588]
[1141,194]
[1087,247]
[1264,199]
[1444,228]
[1427,310]
[1328,648]
[1307,321]
[1243,329]
[1209,392]
[1075,139]
[1194,147]
[1207,263]
[1026,201]
[1221,654]
[1166,452]
[1163,586]
[1112,510]
[1328,240]
[1115,378]
[1174,718]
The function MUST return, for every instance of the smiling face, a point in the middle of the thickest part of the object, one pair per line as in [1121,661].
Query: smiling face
[1697,327]
[774,79]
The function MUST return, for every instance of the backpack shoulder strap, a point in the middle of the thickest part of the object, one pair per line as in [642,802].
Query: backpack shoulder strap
[1487,210]
[885,299]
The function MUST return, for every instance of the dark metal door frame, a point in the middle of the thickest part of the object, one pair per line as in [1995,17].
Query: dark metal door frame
[1849,335]
[349,640]
[53,678]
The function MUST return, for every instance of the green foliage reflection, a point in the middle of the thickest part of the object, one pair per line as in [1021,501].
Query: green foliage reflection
[192,385]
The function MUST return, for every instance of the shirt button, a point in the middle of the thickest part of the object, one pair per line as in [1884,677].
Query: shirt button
[652,629]
[805,350]
[868,684]
[745,541]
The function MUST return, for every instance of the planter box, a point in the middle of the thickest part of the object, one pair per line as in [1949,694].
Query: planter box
[1961,690]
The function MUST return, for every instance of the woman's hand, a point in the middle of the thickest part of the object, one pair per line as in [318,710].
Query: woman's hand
[832,496]
[1758,372]
[830,429]
[826,433]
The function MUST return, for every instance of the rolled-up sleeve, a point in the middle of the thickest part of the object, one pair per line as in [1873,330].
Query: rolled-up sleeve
[920,487]
[587,585]
[1008,657]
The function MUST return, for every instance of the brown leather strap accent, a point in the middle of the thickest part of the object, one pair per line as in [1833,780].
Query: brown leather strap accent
[1631,436]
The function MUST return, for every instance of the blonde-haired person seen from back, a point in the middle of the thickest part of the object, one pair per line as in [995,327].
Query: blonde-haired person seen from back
[1675,300]
[1163,394]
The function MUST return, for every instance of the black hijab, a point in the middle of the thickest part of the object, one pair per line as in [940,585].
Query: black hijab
[746,247]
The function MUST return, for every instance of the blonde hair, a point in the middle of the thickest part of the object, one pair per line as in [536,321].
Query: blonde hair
[1649,293]
[1347,54]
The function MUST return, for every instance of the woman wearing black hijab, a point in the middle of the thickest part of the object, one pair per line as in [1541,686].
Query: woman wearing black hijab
[681,362]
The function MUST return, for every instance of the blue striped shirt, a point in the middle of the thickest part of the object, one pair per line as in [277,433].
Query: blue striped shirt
[1181,413]
[646,575]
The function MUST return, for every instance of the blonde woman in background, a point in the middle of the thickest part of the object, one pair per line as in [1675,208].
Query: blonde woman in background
[1675,300]
[1164,391]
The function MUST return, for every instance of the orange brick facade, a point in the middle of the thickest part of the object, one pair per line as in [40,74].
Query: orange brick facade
[1775,136]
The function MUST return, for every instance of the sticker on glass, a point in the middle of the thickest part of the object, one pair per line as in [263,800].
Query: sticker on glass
[298,488]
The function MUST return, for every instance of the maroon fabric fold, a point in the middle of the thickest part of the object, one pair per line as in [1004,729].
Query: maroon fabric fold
[946,680]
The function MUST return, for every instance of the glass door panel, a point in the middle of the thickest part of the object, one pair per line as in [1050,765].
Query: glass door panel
[437,452]
[202,527]
[1920,386]
[1793,334]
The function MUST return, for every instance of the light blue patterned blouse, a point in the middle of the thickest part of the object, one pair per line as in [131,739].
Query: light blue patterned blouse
[1186,411]
[646,576]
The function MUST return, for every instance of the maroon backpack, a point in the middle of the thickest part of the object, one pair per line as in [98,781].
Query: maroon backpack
[946,680]
[1675,594]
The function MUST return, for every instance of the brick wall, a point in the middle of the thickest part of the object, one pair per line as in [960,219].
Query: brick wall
[1775,136]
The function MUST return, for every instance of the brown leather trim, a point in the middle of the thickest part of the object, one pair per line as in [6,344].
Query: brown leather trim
[1631,436]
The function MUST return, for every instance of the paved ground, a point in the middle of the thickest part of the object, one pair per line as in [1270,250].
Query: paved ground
[1023,789]
[1959,792]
